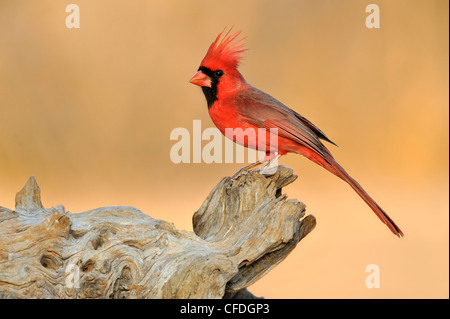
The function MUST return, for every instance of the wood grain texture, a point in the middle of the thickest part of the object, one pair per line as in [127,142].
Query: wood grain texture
[119,252]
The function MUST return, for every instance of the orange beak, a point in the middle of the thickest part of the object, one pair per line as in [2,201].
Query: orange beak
[201,79]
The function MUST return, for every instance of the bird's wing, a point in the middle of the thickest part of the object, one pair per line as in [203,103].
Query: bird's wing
[262,110]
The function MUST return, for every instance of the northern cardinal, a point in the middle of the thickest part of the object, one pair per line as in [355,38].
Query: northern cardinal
[233,103]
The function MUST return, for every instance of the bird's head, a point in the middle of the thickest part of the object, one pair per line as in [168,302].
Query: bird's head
[218,71]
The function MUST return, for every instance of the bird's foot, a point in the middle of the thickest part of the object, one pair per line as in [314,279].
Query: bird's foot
[271,167]
[268,170]
[243,171]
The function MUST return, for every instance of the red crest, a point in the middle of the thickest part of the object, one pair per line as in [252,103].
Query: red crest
[225,51]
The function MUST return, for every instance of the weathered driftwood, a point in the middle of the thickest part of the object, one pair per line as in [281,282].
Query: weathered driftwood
[120,252]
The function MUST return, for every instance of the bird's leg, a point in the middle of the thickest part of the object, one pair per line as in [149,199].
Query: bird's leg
[269,168]
[270,158]
[247,168]
[242,171]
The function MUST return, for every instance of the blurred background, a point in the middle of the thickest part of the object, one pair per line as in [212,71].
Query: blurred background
[89,112]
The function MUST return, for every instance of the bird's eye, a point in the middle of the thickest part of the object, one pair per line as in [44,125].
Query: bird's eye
[218,73]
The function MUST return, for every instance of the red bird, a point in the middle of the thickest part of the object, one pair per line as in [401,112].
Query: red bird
[233,103]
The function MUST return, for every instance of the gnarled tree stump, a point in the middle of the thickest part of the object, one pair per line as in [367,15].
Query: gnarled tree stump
[241,233]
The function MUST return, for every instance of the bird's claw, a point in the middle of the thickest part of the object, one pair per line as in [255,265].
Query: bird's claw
[268,170]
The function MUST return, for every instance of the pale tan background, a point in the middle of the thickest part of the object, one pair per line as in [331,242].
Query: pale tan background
[89,113]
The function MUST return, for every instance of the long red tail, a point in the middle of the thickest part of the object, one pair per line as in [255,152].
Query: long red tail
[340,172]
[331,165]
